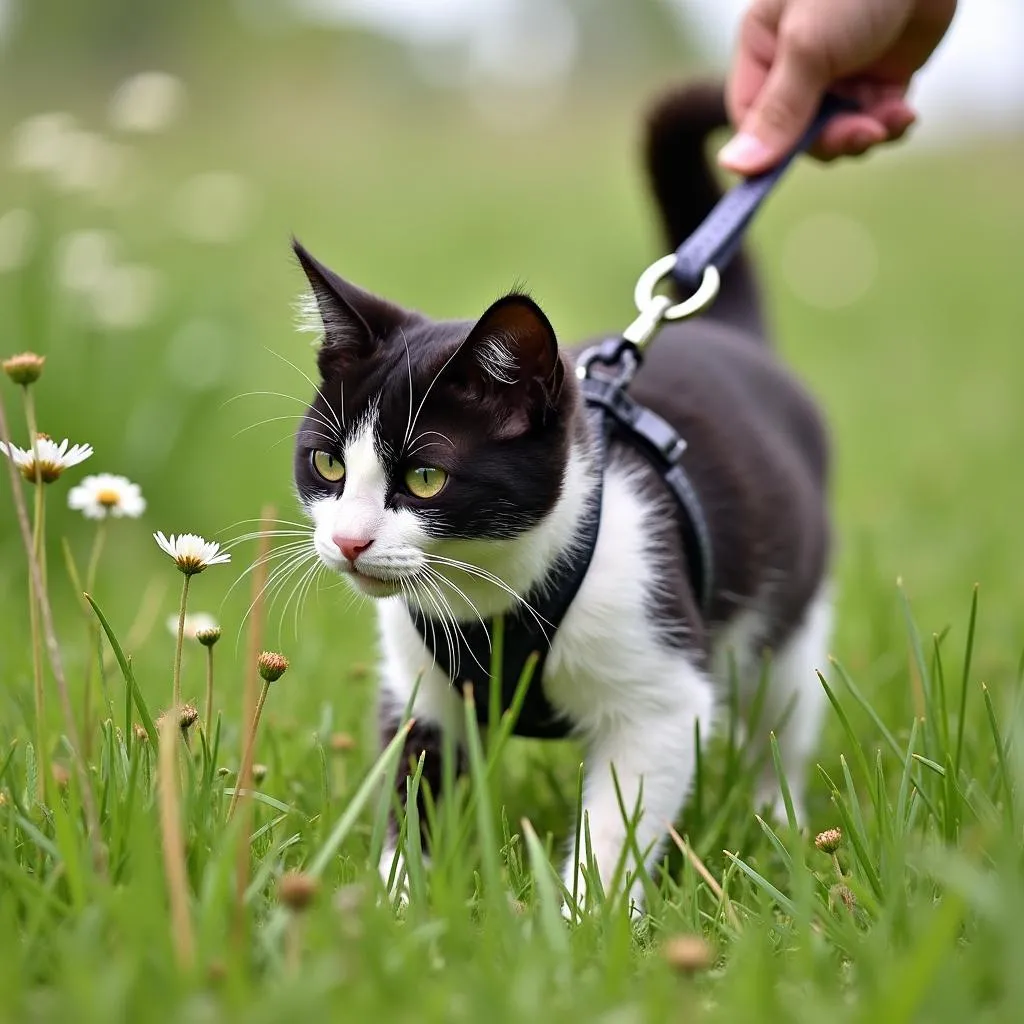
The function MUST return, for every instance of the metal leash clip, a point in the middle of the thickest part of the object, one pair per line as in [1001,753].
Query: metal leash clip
[653,309]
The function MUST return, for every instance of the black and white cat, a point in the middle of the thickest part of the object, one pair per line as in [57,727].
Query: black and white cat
[448,465]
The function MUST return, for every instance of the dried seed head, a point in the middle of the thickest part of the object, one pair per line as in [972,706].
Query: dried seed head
[140,732]
[61,776]
[342,743]
[296,890]
[224,772]
[24,369]
[187,716]
[208,637]
[842,893]
[830,840]
[259,773]
[272,666]
[688,953]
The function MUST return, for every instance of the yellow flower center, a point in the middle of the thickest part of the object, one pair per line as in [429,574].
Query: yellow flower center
[108,498]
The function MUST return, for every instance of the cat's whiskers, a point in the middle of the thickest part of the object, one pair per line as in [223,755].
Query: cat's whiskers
[333,437]
[275,522]
[430,387]
[313,578]
[434,574]
[288,566]
[339,423]
[261,534]
[456,625]
[426,444]
[408,363]
[474,570]
[309,572]
[442,620]
[276,553]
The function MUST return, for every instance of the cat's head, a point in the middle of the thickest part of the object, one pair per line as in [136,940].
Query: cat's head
[431,442]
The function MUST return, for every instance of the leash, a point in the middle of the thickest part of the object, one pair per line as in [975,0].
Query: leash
[697,266]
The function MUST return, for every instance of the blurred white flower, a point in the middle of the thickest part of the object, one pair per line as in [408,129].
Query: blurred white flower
[213,207]
[98,496]
[146,102]
[88,163]
[17,228]
[195,622]
[40,142]
[84,258]
[124,296]
[54,458]
[191,552]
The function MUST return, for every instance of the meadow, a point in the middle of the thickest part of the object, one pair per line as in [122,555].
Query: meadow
[893,287]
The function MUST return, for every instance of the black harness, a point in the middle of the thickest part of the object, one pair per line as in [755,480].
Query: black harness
[530,630]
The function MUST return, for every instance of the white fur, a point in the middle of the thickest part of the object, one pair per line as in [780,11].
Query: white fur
[635,701]
[495,358]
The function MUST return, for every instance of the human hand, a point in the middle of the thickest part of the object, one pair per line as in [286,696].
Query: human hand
[791,51]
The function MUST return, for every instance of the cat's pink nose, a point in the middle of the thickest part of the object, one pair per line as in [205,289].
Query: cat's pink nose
[352,547]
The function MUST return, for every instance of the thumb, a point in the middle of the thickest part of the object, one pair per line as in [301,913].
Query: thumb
[781,111]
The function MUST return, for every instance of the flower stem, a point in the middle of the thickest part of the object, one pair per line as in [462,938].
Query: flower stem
[56,662]
[35,598]
[243,852]
[94,634]
[177,653]
[208,718]
[173,843]
[244,780]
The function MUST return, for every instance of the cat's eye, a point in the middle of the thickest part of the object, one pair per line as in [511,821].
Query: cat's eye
[327,467]
[425,481]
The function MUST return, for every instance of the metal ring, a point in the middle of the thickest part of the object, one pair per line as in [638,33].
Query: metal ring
[706,291]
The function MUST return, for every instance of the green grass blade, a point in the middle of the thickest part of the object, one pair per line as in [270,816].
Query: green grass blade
[126,670]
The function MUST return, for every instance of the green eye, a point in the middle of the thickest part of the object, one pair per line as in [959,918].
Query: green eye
[327,467]
[425,481]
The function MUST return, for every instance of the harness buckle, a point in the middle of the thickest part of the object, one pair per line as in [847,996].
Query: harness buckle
[618,354]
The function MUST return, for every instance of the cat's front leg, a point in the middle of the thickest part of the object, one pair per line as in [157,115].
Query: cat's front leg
[425,738]
[648,748]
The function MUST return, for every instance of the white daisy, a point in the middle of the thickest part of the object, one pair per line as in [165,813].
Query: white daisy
[191,552]
[54,458]
[195,622]
[97,497]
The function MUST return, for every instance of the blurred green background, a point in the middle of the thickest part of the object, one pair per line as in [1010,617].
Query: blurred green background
[145,252]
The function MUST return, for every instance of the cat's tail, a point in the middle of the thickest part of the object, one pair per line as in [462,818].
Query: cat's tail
[678,125]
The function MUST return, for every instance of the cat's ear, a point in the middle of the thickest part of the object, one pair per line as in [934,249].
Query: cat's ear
[353,321]
[511,355]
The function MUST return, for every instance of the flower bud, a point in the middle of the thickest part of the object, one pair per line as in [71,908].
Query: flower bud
[272,666]
[24,369]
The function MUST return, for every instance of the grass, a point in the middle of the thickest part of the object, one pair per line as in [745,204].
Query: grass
[920,762]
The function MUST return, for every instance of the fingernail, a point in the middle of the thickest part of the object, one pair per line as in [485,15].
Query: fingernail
[744,152]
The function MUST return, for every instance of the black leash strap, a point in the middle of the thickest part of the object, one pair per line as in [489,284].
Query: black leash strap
[715,241]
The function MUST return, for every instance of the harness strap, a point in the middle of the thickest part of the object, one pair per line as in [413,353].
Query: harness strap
[664,447]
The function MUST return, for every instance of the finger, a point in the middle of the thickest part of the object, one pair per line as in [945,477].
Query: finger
[849,135]
[755,52]
[782,109]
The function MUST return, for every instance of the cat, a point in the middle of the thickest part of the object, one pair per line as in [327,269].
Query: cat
[448,467]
